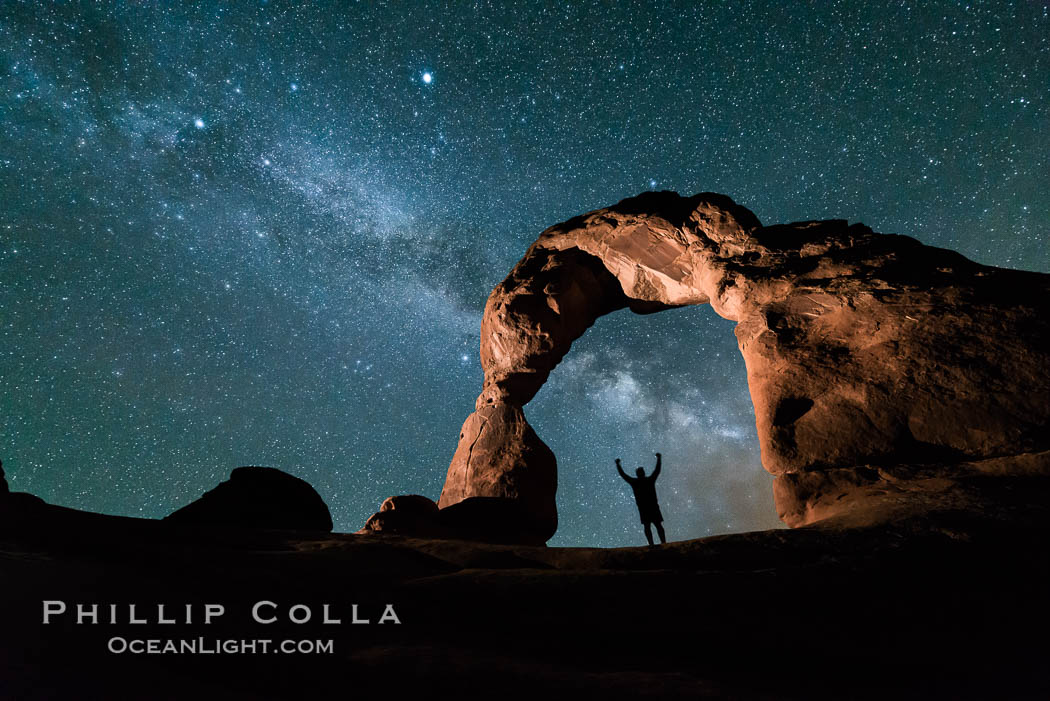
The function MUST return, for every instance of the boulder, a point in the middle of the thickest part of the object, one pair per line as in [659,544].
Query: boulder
[403,515]
[258,497]
[479,519]
[414,504]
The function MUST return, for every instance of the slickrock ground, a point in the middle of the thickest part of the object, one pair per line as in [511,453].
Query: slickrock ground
[953,607]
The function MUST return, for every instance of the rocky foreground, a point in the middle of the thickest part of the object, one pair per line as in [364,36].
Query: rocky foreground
[902,398]
[952,606]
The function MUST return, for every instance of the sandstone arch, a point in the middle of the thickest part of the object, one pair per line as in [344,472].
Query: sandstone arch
[886,375]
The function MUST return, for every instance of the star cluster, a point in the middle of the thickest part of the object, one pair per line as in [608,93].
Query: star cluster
[264,233]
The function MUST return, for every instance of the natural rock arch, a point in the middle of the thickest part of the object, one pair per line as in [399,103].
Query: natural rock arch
[886,375]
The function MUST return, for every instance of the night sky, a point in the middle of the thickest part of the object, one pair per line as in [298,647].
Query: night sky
[262,234]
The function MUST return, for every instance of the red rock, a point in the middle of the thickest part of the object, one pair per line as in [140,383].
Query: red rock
[499,455]
[410,503]
[480,519]
[408,513]
[863,351]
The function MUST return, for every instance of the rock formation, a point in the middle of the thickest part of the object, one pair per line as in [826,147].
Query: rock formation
[407,513]
[477,518]
[887,376]
[17,505]
[258,497]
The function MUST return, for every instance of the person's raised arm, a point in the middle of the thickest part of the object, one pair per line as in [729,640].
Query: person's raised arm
[656,471]
[619,468]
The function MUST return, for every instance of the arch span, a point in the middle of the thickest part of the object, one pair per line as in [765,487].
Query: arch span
[886,375]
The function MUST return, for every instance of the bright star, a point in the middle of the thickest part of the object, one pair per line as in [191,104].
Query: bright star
[427,77]
[199,123]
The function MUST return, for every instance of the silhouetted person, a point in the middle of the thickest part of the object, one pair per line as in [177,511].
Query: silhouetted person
[645,497]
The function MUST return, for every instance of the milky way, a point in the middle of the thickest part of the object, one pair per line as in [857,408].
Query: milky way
[264,234]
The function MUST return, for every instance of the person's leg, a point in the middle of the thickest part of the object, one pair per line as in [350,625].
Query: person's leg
[649,533]
[660,532]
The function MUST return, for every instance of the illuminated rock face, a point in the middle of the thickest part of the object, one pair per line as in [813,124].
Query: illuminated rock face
[886,375]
